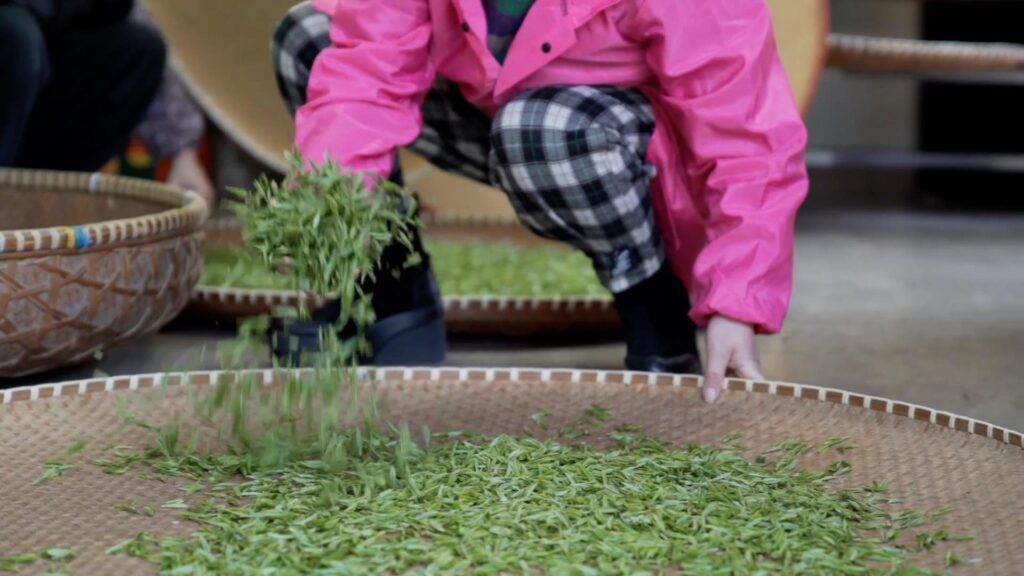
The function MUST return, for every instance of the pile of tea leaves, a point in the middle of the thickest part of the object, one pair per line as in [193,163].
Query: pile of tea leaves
[552,504]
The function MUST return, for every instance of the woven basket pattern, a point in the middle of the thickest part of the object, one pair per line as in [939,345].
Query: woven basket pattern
[67,293]
[62,310]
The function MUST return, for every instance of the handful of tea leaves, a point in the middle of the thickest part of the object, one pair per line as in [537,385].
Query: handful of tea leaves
[328,229]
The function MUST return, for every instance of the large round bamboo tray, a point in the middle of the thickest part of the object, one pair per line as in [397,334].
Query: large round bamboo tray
[89,261]
[222,49]
[468,315]
[929,458]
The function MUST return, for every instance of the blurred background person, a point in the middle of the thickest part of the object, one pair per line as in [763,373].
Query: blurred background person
[173,126]
[76,76]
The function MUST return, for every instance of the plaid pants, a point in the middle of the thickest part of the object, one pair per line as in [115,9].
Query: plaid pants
[570,158]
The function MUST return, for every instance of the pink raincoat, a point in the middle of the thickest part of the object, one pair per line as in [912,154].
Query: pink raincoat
[729,144]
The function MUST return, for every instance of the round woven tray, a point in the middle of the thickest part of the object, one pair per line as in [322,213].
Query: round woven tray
[929,458]
[88,261]
[464,315]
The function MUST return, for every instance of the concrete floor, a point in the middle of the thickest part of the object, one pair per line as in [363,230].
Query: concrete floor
[926,307]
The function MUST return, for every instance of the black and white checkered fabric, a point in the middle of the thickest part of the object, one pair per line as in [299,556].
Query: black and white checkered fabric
[570,158]
[572,162]
[298,39]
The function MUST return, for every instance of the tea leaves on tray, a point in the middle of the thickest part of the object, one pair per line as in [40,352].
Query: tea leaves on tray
[501,269]
[469,504]
[462,268]
[53,556]
[231,267]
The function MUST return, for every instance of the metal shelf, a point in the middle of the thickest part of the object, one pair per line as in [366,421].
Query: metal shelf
[898,159]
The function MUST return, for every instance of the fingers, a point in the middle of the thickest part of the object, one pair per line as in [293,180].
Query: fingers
[749,370]
[732,350]
[713,384]
[746,364]
[714,376]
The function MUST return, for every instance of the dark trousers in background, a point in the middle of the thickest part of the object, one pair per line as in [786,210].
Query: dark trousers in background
[71,101]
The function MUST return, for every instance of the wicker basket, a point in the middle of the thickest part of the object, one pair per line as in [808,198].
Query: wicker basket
[89,261]
[929,458]
[465,315]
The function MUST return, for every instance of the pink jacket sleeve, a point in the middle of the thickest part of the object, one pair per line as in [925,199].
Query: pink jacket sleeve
[366,91]
[743,145]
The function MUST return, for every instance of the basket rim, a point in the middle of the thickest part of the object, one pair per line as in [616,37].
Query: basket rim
[482,376]
[186,211]
[214,295]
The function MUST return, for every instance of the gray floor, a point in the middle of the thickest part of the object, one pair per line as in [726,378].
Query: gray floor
[926,307]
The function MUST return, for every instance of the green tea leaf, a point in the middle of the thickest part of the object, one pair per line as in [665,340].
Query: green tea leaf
[77,447]
[59,553]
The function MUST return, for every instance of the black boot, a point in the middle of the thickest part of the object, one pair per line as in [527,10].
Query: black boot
[409,330]
[660,337]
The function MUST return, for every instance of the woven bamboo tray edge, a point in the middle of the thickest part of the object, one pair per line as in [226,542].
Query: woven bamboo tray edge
[489,302]
[185,212]
[801,392]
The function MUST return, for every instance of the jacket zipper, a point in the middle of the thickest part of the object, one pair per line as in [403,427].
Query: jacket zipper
[565,7]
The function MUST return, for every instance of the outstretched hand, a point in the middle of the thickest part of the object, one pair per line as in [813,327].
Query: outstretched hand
[732,351]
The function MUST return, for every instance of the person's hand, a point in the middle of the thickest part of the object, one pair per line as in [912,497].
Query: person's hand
[187,172]
[732,351]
